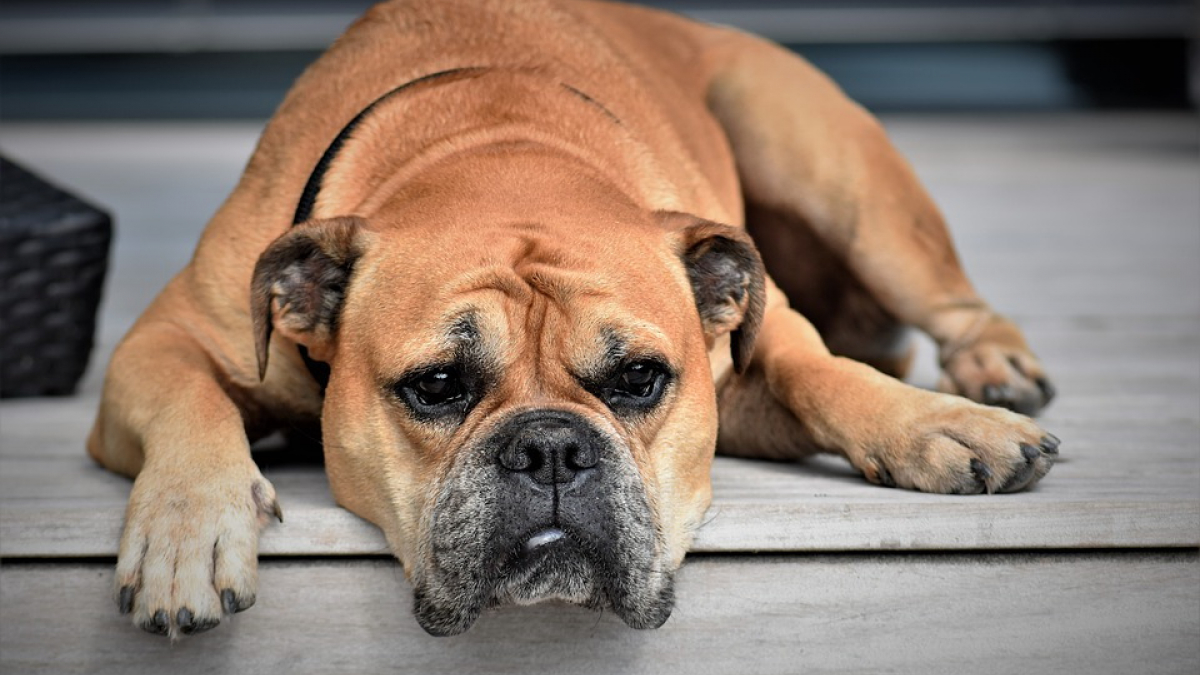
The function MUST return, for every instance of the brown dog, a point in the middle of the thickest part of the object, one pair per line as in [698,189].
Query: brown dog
[480,242]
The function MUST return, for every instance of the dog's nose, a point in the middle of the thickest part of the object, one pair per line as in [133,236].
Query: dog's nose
[550,449]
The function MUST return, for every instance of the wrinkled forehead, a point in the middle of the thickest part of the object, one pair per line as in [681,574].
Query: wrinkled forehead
[517,292]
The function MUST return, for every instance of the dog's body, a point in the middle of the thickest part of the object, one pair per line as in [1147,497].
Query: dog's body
[509,255]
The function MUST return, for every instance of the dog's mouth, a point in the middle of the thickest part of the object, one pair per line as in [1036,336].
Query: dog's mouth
[551,564]
[548,565]
[501,537]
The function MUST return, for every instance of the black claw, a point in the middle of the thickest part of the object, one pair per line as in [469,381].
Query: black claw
[1050,444]
[183,618]
[1046,388]
[232,604]
[202,625]
[125,601]
[1031,453]
[189,625]
[159,624]
[229,601]
[998,395]
[982,473]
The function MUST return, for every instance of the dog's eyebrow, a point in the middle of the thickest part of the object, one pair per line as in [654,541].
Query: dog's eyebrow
[616,350]
[467,345]
[464,328]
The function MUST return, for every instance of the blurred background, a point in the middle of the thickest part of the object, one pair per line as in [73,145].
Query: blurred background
[234,59]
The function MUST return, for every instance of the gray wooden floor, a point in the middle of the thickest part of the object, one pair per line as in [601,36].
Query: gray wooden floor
[1086,229]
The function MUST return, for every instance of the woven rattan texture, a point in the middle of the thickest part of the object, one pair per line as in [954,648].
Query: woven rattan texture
[53,257]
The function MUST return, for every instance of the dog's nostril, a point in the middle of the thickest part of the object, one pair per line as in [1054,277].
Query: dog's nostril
[581,457]
[517,458]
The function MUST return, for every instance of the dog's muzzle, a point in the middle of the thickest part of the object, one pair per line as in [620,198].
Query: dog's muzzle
[547,507]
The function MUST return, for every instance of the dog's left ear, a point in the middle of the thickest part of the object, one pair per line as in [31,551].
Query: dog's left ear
[727,277]
[299,285]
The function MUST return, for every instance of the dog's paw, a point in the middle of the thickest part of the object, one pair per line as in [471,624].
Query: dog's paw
[995,367]
[954,446]
[189,552]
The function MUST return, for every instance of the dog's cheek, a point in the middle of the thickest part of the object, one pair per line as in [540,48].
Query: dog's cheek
[681,461]
[454,569]
[373,470]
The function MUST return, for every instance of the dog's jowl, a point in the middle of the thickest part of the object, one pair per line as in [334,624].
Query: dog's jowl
[507,254]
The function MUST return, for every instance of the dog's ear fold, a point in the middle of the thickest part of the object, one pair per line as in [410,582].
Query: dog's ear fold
[727,280]
[299,284]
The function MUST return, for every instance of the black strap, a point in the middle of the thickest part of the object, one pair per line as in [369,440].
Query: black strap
[308,199]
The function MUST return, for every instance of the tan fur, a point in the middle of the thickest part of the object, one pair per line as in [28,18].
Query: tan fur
[506,192]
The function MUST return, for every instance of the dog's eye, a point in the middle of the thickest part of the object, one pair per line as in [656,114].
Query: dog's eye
[639,385]
[434,392]
[638,380]
[438,387]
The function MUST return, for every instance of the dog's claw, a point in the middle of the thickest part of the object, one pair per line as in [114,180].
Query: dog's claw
[159,624]
[125,600]
[189,625]
[201,626]
[277,511]
[982,474]
[1047,390]
[1050,444]
[1021,476]
[232,604]
[1000,396]
[228,601]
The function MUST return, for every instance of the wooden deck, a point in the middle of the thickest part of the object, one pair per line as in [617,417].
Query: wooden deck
[1086,229]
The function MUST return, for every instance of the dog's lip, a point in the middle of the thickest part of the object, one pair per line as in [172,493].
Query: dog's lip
[543,538]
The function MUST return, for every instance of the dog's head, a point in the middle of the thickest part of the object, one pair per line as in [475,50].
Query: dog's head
[523,403]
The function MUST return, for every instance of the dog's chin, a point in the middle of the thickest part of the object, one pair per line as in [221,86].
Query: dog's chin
[555,571]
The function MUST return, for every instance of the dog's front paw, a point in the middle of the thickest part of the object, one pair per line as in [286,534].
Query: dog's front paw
[189,552]
[954,446]
[994,366]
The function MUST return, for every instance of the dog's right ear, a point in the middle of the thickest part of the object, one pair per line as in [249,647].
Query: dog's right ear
[299,284]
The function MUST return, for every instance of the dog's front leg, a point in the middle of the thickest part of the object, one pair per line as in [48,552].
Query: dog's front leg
[189,550]
[796,398]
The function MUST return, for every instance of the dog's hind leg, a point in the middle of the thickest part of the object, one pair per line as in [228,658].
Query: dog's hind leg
[815,167]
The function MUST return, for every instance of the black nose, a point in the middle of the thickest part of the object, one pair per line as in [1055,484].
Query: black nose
[550,448]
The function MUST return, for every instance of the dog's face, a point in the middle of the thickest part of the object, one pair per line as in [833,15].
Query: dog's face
[524,404]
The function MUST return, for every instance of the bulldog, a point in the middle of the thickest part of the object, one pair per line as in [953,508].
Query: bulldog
[529,264]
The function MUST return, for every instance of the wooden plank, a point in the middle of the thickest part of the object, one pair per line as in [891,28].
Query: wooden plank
[797,525]
[932,614]
[759,506]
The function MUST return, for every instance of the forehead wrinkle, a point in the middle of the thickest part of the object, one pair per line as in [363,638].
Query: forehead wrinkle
[498,278]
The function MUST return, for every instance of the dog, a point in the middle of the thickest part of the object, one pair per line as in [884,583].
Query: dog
[529,264]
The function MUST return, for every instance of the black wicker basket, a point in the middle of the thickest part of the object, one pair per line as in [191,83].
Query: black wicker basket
[53,256]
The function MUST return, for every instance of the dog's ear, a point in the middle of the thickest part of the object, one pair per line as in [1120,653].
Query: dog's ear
[727,280]
[299,284]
